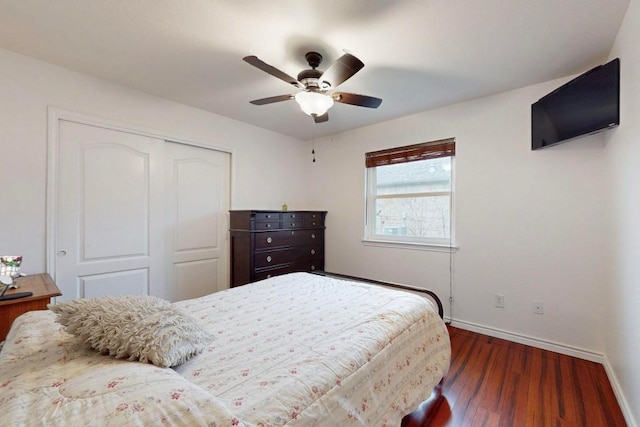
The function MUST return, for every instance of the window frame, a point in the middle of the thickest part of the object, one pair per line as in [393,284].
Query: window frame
[423,151]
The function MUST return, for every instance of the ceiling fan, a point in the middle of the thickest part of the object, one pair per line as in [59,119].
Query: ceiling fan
[317,95]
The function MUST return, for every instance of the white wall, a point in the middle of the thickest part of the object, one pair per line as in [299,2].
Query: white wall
[529,223]
[263,161]
[622,343]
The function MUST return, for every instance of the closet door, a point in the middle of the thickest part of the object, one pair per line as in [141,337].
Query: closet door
[138,215]
[110,213]
[197,206]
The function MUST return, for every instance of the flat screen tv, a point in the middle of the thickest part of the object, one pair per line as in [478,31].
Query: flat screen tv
[588,104]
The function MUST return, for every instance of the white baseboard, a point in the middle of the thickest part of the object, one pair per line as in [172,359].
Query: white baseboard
[558,348]
[617,390]
[530,341]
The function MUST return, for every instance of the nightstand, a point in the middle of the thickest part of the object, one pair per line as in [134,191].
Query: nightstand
[43,288]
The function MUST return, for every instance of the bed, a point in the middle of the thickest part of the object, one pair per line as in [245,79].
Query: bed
[297,350]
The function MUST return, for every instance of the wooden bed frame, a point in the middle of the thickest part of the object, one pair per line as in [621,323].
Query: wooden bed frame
[422,416]
[431,294]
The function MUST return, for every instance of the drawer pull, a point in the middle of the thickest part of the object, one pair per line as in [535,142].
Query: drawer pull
[268,216]
[313,224]
[293,224]
[313,251]
[269,258]
[268,225]
[269,240]
[313,267]
[293,215]
[313,235]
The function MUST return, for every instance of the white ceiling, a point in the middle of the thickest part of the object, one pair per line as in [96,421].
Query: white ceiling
[418,54]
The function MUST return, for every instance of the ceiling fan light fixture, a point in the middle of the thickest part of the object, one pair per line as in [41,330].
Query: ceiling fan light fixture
[314,103]
[314,97]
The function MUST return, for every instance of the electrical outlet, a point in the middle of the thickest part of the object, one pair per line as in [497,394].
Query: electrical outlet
[498,300]
[538,307]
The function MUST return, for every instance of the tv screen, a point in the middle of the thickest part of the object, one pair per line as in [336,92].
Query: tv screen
[587,104]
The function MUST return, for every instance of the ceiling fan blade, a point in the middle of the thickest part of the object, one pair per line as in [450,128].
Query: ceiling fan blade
[359,100]
[271,99]
[321,119]
[253,60]
[341,70]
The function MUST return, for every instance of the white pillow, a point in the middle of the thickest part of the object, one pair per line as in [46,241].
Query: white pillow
[136,327]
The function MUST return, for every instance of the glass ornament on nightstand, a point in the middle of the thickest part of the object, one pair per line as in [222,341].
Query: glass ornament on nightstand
[10,265]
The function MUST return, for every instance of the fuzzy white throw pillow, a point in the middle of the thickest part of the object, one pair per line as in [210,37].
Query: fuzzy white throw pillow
[135,327]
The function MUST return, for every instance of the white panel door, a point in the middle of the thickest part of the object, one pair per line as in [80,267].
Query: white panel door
[197,206]
[109,213]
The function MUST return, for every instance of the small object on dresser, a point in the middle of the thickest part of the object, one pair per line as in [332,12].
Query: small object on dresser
[285,207]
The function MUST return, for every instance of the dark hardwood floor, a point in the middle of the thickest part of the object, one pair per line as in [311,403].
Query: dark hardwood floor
[493,382]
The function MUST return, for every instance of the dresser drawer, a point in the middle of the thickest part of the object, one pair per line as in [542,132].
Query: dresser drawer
[267,216]
[311,265]
[277,239]
[313,219]
[292,224]
[288,255]
[265,225]
[312,216]
[292,216]
[311,252]
[276,257]
[312,236]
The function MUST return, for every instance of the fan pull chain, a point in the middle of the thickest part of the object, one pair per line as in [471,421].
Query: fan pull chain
[313,142]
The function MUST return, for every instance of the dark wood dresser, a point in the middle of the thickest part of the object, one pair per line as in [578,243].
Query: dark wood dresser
[269,243]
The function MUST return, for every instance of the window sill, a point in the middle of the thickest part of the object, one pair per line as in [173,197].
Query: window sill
[411,245]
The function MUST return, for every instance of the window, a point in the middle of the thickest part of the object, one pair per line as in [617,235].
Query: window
[409,194]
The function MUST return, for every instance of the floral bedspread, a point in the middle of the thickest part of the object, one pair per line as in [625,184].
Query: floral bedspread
[295,350]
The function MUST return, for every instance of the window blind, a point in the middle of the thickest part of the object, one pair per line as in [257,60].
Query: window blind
[411,153]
